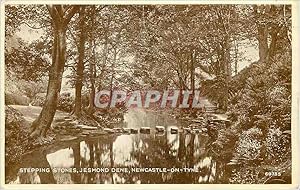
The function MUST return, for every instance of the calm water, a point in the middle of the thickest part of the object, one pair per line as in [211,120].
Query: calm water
[164,150]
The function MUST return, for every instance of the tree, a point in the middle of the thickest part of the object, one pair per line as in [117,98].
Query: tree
[60,17]
[80,64]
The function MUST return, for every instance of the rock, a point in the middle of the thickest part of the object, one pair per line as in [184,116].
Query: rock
[204,129]
[59,120]
[118,130]
[68,138]
[196,120]
[159,134]
[126,130]
[187,130]
[134,131]
[145,130]
[108,130]
[74,122]
[85,132]
[196,130]
[174,130]
[96,133]
[87,127]
[63,132]
[160,129]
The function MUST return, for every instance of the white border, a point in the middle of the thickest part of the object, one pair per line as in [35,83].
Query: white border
[295,102]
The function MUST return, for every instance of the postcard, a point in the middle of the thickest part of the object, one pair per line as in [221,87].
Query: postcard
[149,94]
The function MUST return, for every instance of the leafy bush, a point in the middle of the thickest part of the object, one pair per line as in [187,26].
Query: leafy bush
[264,99]
[262,107]
[15,99]
[277,146]
[65,102]
[39,99]
[249,145]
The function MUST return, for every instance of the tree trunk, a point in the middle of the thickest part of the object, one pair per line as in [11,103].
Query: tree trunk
[192,77]
[76,154]
[273,44]
[262,42]
[41,125]
[227,71]
[192,70]
[59,22]
[80,66]
[103,69]
[92,65]
[262,34]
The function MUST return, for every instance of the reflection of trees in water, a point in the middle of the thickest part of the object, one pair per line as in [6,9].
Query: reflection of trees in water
[39,161]
[100,155]
[145,151]
[156,151]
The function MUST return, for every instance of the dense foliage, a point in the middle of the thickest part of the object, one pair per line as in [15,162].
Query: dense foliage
[16,136]
[261,107]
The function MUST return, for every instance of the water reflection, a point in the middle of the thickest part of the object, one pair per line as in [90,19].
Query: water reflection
[163,150]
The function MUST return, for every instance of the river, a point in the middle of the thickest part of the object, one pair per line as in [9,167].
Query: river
[177,153]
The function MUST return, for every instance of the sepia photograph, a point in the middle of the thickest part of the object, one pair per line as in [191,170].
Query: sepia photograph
[143,93]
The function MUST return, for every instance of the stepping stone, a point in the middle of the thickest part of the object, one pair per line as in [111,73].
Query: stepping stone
[160,134]
[108,130]
[97,133]
[204,129]
[68,138]
[59,120]
[73,122]
[160,128]
[187,130]
[85,133]
[196,130]
[196,120]
[118,130]
[126,130]
[134,131]
[87,127]
[145,130]
[174,130]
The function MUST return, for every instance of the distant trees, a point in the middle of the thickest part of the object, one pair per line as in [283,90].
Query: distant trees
[273,23]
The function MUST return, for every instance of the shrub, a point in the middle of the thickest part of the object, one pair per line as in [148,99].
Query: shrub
[65,102]
[15,136]
[249,145]
[39,99]
[16,99]
[277,146]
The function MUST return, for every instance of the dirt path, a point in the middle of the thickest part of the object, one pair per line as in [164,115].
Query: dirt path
[30,113]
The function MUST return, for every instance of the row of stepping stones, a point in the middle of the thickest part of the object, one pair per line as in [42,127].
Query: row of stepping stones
[158,129]
[69,126]
[66,126]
